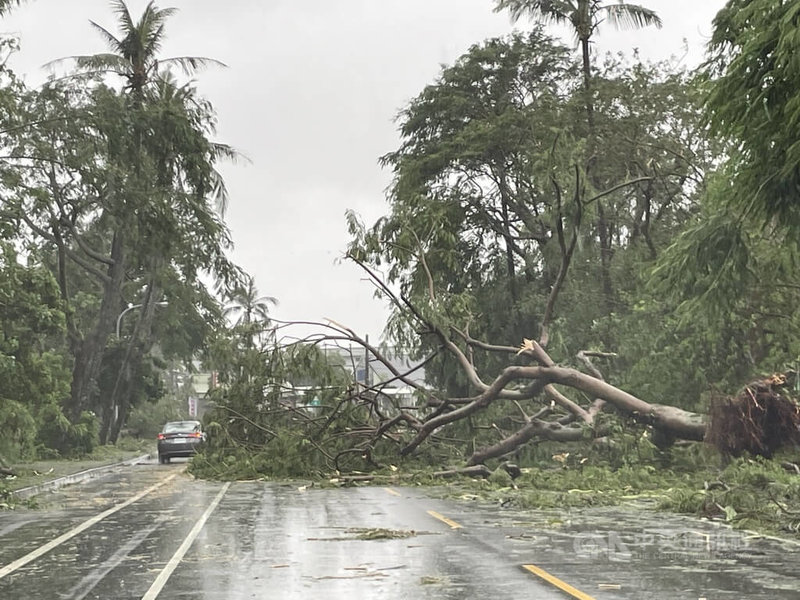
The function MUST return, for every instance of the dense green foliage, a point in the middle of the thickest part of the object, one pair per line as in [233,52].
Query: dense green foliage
[282,413]
[637,210]
[536,195]
[111,208]
[35,376]
[753,72]
[492,209]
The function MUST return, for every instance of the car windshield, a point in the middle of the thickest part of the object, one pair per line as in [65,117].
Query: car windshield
[182,427]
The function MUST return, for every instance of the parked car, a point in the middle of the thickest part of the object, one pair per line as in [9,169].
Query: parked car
[179,438]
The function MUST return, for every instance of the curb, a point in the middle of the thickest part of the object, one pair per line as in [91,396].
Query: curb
[80,477]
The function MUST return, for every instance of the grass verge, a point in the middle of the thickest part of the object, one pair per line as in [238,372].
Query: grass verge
[41,471]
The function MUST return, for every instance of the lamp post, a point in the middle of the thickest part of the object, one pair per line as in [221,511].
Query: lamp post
[131,307]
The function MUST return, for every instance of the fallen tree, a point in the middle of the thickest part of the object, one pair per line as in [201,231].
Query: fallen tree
[559,419]
[362,427]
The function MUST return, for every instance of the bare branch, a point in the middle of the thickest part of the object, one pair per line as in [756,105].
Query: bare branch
[618,187]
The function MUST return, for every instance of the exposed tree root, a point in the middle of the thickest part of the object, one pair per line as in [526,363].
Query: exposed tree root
[761,419]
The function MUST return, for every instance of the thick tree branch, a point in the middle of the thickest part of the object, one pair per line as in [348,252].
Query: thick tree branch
[69,253]
[65,220]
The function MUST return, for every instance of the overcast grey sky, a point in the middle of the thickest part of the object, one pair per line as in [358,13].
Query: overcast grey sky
[309,96]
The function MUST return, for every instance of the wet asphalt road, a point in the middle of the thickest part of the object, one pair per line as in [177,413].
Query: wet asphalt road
[150,531]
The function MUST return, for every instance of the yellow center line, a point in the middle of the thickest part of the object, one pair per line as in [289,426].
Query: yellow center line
[391,491]
[443,519]
[555,581]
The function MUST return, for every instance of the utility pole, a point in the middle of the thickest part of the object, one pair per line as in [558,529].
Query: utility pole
[366,362]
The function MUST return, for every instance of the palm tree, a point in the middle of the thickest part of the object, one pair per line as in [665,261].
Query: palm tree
[247,306]
[584,16]
[134,54]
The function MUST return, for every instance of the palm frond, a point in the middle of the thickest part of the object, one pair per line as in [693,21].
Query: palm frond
[159,15]
[151,39]
[99,62]
[191,64]
[227,152]
[125,20]
[630,16]
[151,26]
[219,193]
[548,11]
[111,40]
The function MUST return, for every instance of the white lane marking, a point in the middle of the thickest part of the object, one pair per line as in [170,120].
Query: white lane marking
[81,589]
[162,578]
[41,550]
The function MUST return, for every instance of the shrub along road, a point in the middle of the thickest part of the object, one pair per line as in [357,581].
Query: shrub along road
[150,531]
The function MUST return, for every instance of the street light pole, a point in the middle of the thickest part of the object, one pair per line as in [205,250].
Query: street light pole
[131,307]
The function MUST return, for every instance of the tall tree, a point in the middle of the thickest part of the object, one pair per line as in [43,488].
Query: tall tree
[135,57]
[735,268]
[502,128]
[134,52]
[251,312]
[124,186]
[584,16]
[472,200]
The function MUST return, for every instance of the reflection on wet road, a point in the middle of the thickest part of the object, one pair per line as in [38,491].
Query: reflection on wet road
[152,532]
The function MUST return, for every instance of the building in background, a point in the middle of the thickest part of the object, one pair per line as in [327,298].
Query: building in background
[368,375]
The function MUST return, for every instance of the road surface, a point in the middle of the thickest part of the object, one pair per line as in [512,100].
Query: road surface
[151,531]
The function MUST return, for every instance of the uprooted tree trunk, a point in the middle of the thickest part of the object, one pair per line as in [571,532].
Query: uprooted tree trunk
[542,378]
[759,420]
[762,418]
[537,380]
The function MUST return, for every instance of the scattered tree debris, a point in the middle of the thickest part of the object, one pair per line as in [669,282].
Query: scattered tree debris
[433,580]
[481,471]
[370,533]
[380,533]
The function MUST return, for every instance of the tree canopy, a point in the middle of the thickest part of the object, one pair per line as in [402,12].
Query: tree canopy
[115,191]
[753,71]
